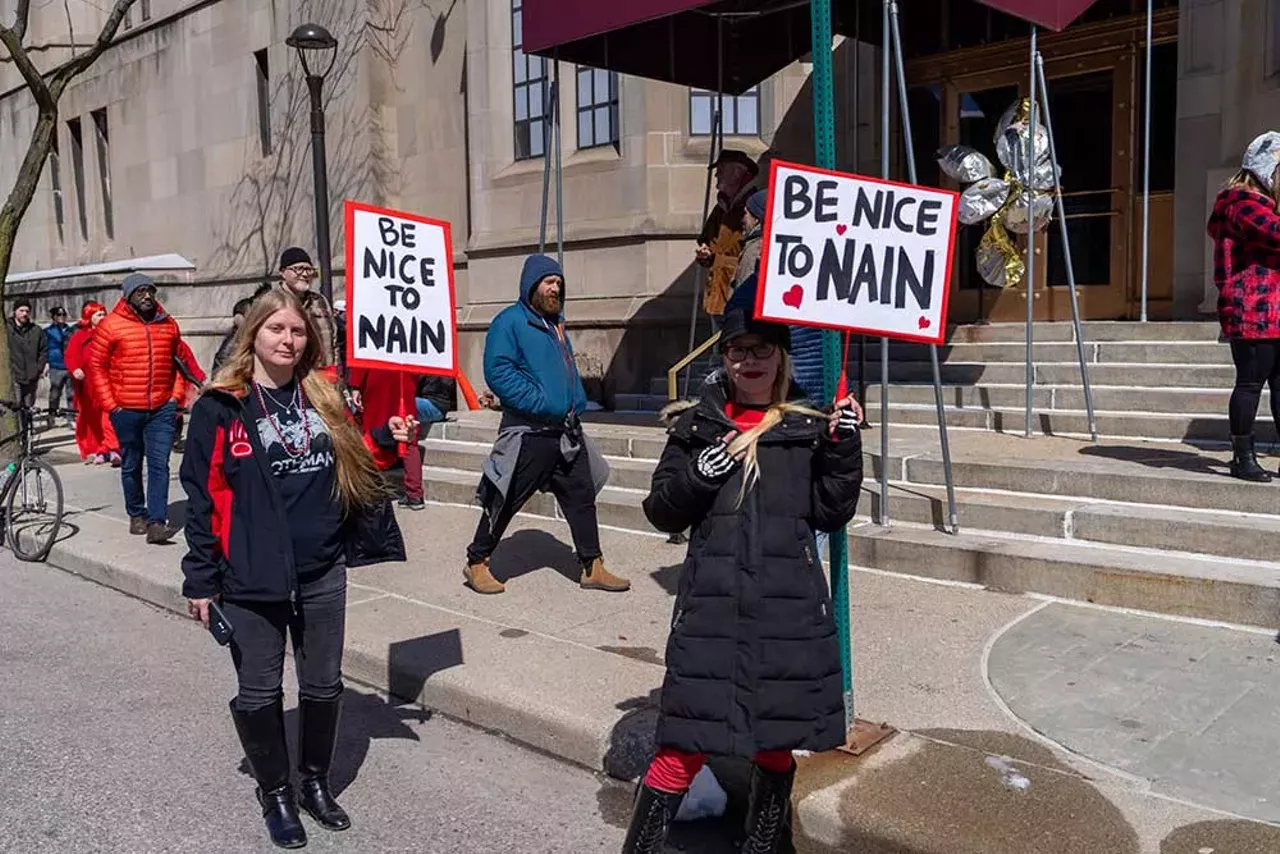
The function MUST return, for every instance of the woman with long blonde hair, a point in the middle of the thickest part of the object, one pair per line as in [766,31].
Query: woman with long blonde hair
[283,496]
[1245,229]
[753,664]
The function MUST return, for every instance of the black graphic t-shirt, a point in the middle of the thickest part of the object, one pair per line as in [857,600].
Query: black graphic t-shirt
[300,455]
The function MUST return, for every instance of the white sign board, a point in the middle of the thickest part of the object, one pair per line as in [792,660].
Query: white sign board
[856,254]
[400,296]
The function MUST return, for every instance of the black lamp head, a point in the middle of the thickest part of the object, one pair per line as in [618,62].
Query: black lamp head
[309,38]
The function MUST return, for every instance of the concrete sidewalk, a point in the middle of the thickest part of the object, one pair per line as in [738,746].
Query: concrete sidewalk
[1028,725]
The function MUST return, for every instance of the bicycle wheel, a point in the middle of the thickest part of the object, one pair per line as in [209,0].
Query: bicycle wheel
[33,510]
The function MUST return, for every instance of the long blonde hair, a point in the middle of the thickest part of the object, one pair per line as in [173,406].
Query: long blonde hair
[1246,180]
[358,481]
[747,443]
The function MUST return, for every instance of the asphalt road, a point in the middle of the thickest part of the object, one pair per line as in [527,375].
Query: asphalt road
[115,737]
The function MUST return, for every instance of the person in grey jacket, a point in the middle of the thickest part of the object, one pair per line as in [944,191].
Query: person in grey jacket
[28,354]
[752,237]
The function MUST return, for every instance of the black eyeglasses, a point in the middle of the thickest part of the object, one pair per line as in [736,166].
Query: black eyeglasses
[761,351]
[303,271]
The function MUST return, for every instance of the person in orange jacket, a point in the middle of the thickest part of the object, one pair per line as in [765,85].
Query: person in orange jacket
[95,437]
[134,372]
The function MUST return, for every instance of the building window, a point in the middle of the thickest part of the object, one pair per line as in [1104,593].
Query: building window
[597,107]
[77,172]
[1273,38]
[741,113]
[531,88]
[104,168]
[262,71]
[144,7]
[55,180]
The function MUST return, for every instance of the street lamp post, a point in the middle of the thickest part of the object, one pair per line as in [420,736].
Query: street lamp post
[315,40]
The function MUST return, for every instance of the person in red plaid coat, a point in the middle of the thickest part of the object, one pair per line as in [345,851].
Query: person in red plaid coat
[1245,228]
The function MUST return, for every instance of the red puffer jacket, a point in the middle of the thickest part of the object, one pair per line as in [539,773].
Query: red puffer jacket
[132,363]
[1245,229]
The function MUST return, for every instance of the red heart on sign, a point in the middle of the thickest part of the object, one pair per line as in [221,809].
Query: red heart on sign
[841,229]
[793,297]
[924,322]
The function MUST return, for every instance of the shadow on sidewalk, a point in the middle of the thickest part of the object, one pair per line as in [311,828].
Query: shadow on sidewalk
[1159,458]
[1231,835]
[526,551]
[410,663]
[364,718]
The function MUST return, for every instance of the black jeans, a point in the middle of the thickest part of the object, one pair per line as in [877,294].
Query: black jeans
[540,466]
[318,631]
[1257,363]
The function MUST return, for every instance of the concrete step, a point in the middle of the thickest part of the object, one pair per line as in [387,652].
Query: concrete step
[1159,512]
[1164,582]
[1107,353]
[1206,532]
[1046,374]
[1105,398]
[1094,332]
[1172,478]
[1160,581]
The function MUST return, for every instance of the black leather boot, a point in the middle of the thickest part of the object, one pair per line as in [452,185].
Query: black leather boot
[262,736]
[769,812]
[650,820]
[1244,461]
[317,735]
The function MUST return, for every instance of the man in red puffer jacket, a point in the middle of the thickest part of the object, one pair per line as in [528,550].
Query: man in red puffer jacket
[134,369]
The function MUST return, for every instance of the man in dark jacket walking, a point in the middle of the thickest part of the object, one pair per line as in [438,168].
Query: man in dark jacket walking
[528,364]
[56,337]
[28,354]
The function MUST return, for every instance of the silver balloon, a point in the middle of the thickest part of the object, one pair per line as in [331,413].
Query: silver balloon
[1015,218]
[1011,148]
[1008,119]
[982,199]
[991,264]
[965,164]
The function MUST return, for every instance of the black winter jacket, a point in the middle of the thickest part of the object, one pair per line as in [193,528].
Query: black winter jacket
[753,662]
[237,532]
[28,352]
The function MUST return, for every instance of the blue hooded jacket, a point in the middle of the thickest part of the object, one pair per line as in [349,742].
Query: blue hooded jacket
[528,360]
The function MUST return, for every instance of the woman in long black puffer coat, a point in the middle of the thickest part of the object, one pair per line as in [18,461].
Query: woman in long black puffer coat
[753,662]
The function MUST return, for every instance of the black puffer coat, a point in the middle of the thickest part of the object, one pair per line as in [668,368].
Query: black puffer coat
[753,662]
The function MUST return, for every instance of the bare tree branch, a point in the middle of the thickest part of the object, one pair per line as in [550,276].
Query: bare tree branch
[20,22]
[71,30]
[46,47]
[64,75]
[39,90]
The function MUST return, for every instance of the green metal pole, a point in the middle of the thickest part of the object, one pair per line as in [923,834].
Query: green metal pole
[824,149]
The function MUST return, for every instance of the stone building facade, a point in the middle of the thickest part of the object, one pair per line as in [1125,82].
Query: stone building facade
[190,136]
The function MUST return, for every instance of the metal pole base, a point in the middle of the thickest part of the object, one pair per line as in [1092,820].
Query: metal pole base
[864,736]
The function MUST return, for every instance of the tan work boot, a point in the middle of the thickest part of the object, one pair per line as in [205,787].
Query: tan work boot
[481,580]
[596,577]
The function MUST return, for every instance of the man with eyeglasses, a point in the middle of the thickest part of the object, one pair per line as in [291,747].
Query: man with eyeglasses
[296,275]
[133,365]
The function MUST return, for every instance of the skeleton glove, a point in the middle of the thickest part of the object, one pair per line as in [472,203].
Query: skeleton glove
[714,463]
[847,425]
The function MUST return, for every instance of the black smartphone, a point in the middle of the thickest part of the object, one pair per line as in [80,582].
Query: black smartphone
[219,626]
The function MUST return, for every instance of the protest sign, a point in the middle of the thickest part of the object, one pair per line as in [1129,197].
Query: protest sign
[400,297]
[856,254]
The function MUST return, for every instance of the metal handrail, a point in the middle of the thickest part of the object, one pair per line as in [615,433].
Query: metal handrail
[685,362]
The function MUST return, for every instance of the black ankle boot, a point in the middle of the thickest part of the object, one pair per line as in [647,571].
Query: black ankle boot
[262,736]
[650,820]
[317,735]
[769,812]
[1244,461]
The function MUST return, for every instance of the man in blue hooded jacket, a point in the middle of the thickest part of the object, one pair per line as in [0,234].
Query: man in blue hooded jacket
[529,365]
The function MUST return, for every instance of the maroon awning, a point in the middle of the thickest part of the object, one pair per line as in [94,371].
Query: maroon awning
[548,23]
[675,40]
[1053,14]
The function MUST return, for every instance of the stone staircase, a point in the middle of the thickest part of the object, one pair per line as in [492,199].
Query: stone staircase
[1151,526]
[1162,381]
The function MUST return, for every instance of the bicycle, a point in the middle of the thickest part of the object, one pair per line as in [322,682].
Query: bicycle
[30,485]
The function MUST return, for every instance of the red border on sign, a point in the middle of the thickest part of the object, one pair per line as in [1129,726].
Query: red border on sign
[349,209]
[767,238]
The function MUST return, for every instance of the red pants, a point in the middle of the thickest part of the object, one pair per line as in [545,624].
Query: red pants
[412,470]
[673,771]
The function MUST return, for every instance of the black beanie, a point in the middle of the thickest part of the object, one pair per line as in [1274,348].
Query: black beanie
[740,318]
[294,255]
